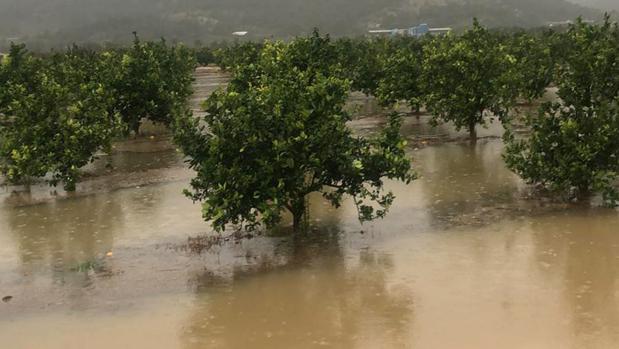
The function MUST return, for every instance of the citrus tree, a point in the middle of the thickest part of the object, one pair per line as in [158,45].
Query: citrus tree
[363,62]
[534,67]
[204,56]
[278,133]
[149,80]
[571,150]
[574,145]
[466,76]
[403,66]
[56,117]
[237,55]
[587,70]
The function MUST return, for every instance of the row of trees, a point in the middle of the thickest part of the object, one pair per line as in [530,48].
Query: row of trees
[278,132]
[457,78]
[574,143]
[58,111]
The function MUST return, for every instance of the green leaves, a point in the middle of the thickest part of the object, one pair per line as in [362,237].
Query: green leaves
[278,133]
[465,76]
[574,145]
[571,150]
[403,66]
[149,79]
[588,73]
[57,112]
[533,64]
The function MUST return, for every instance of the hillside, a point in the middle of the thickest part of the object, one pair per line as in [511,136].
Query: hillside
[604,5]
[52,22]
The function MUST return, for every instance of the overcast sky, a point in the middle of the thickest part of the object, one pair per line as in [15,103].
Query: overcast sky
[603,4]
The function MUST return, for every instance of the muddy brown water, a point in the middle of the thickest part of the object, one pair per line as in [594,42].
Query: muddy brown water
[464,260]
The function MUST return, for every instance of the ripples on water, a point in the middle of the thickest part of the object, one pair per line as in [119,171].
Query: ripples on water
[462,261]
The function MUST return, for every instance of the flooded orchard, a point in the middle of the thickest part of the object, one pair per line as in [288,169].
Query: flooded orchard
[463,260]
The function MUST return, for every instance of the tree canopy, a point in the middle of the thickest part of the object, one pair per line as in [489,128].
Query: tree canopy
[58,111]
[574,144]
[467,75]
[278,133]
[56,117]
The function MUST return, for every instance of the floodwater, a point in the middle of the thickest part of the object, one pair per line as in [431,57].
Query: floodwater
[464,260]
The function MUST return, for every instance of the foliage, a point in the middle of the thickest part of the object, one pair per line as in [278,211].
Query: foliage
[571,150]
[534,68]
[238,55]
[58,111]
[278,133]
[151,79]
[363,62]
[573,146]
[402,72]
[588,73]
[56,117]
[205,56]
[466,75]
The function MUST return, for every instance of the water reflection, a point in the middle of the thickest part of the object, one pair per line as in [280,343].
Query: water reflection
[305,292]
[60,236]
[462,183]
[462,261]
[581,249]
[61,248]
[71,251]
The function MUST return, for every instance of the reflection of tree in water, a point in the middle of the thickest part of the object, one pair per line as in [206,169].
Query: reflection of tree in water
[463,182]
[64,235]
[304,292]
[580,248]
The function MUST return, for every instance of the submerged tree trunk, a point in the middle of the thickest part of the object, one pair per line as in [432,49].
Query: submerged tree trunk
[583,192]
[299,215]
[297,224]
[473,132]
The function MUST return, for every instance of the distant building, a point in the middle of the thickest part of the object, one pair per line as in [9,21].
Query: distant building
[418,31]
[567,23]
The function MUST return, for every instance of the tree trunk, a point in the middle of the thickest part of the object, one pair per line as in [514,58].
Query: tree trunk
[299,223]
[472,132]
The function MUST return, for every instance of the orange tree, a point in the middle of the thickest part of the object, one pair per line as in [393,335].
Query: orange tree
[149,79]
[465,76]
[573,147]
[54,116]
[278,133]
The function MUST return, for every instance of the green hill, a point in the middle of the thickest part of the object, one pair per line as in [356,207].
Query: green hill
[58,22]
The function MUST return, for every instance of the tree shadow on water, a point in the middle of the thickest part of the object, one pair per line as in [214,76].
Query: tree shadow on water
[298,292]
[65,241]
[578,250]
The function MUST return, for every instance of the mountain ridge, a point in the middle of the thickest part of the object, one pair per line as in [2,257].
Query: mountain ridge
[66,21]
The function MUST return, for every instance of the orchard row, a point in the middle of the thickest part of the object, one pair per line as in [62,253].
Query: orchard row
[278,132]
[57,111]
